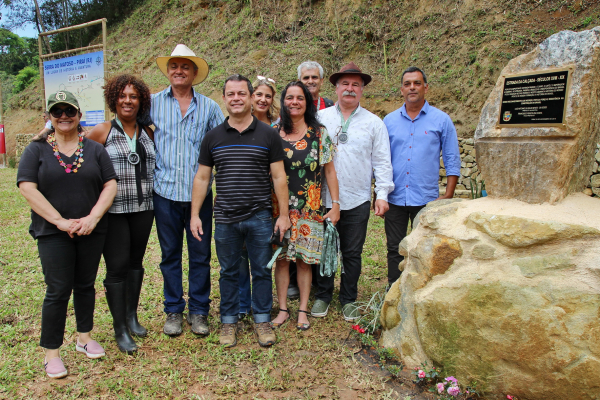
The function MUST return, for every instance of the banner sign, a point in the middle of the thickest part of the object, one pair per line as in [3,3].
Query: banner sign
[82,75]
[2,140]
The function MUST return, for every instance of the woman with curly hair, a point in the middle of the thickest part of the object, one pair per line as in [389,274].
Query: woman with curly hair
[309,161]
[131,149]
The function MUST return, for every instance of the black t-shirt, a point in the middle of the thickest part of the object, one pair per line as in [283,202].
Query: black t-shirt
[242,161]
[72,195]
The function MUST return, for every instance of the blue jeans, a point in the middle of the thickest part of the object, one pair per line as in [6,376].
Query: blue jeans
[229,240]
[172,218]
[245,292]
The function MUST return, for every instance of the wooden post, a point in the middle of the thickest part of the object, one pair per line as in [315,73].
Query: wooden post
[2,134]
[41,64]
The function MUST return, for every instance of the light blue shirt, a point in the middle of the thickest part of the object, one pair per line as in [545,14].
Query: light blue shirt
[415,146]
[178,141]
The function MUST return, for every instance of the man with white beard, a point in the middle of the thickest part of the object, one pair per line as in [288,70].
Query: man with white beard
[363,151]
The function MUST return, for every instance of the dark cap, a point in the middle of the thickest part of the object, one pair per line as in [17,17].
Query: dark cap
[350,68]
[62,96]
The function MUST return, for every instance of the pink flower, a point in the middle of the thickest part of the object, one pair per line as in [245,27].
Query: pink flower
[361,330]
[421,373]
[452,379]
[356,327]
[440,388]
[509,397]
[453,391]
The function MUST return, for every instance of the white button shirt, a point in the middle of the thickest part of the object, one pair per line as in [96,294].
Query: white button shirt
[366,153]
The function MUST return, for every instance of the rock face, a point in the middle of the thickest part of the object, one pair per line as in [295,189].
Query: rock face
[504,293]
[545,164]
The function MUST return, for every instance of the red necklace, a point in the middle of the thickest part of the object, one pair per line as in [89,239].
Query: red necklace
[78,154]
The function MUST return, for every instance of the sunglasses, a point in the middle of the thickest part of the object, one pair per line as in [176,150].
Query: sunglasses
[57,112]
[262,78]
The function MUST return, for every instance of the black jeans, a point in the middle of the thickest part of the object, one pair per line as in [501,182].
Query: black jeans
[396,223]
[69,265]
[352,228]
[125,243]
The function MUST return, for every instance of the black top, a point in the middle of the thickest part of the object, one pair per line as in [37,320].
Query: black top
[72,195]
[242,161]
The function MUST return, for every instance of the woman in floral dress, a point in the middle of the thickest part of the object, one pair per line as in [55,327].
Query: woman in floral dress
[309,162]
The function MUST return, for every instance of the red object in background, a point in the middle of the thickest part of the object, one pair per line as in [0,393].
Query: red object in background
[2,141]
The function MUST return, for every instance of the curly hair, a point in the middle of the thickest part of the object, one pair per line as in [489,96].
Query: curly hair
[115,86]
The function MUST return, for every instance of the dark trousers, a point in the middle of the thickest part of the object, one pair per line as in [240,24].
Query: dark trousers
[172,219]
[352,228]
[69,265]
[125,244]
[396,224]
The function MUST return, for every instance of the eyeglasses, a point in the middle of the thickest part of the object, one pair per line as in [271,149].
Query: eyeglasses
[58,112]
[262,78]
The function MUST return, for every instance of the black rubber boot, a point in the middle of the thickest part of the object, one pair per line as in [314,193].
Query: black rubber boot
[115,297]
[135,278]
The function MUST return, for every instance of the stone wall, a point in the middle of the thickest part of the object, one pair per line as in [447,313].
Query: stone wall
[469,170]
[22,140]
[593,188]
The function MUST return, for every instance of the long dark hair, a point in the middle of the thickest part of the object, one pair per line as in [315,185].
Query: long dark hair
[310,116]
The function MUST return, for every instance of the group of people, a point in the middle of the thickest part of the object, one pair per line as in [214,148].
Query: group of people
[281,172]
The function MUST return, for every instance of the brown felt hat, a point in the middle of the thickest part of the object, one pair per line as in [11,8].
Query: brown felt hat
[350,68]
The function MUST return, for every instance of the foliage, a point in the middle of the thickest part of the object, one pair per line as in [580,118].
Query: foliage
[446,389]
[16,52]
[24,78]
[477,188]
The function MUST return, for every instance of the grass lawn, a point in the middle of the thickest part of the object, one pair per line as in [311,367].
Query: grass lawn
[302,365]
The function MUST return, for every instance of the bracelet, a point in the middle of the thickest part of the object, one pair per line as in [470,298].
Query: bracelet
[336,201]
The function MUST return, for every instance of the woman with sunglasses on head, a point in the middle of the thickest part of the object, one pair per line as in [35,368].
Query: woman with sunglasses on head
[309,161]
[69,195]
[264,108]
[131,149]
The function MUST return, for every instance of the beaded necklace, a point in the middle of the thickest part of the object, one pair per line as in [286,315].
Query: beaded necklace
[78,154]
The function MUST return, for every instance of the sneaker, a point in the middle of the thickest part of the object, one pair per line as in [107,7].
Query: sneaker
[173,324]
[319,309]
[55,368]
[264,333]
[227,336]
[351,312]
[293,292]
[92,349]
[199,324]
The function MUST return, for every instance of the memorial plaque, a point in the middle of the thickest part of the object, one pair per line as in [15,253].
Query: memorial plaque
[535,99]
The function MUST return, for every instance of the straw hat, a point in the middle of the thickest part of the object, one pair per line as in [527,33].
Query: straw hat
[182,51]
[350,68]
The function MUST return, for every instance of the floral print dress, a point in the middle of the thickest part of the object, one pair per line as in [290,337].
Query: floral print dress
[305,179]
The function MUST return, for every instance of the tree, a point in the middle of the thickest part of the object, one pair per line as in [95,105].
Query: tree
[16,52]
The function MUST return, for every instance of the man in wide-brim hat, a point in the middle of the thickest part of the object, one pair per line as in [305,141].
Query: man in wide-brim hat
[363,150]
[182,117]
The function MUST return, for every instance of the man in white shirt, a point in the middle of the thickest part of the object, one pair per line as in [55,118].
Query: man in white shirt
[363,151]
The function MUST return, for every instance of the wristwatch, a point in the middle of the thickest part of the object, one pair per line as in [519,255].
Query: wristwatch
[336,201]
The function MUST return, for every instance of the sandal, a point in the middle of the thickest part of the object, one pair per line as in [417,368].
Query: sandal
[303,327]
[277,325]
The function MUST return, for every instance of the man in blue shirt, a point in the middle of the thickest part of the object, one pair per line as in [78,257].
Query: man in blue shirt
[182,117]
[418,132]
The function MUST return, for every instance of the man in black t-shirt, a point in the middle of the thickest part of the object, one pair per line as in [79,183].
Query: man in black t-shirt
[244,151]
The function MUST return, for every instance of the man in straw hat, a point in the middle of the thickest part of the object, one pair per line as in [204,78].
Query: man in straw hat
[363,150]
[182,117]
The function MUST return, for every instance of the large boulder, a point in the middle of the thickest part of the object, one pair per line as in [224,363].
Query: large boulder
[504,293]
[545,164]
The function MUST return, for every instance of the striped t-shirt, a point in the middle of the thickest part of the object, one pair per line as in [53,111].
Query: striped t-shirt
[242,161]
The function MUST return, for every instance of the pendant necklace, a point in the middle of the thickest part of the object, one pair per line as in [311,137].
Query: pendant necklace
[133,158]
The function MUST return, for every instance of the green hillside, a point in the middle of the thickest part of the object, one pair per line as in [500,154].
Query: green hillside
[462,45]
